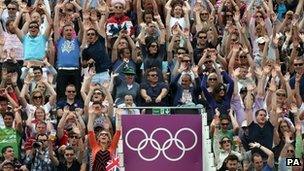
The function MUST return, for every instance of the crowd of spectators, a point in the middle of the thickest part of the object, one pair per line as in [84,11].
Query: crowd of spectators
[67,66]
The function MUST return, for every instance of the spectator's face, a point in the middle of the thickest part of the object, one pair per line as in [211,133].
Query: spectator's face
[69,8]
[243,72]
[261,117]
[128,100]
[148,18]
[129,78]
[177,11]
[69,155]
[259,17]
[284,126]
[91,35]
[281,95]
[153,77]
[3,106]
[224,124]
[41,87]
[39,114]
[104,137]
[181,53]
[151,30]
[68,32]
[290,151]
[186,81]
[123,43]
[298,65]
[226,144]
[261,46]
[34,29]
[126,54]
[41,128]
[8,121]
[70,92]
[232,165]
[12,9]
[118,8]
[44,140]
[37,98]
[8,154]
[202,38]
[204,15]
[257,162]
[186,61]
[37,74]
[97,95]
[153,48]
[212,80]
[73,139]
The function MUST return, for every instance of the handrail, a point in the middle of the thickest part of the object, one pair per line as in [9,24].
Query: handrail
[160,107]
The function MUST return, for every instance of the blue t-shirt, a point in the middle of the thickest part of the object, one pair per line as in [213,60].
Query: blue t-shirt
[34,47]
[68,52]
[267,168]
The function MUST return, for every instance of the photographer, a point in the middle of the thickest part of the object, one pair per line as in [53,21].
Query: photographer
[41,156]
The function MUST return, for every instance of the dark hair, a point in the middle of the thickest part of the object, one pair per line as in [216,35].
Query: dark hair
[182,48]
[9,114]
[5,148]
[121,51]
[255,155]
[41,135]
[2,98]
[232,157]
[92,29]
[257,112]
[34,22]
[217,89]
[37,68]
[69,148]
[147,12]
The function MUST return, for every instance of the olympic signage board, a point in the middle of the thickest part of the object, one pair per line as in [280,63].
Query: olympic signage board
[162,143]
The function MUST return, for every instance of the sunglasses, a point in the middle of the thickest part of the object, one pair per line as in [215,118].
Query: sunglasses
[208,62]
[204,13]
[11,8]
[75,136]
[98,93]
[153,75]
[37,97]
[298,64]
[69,154]
[71,91]
[180,53]
[33,27]
[225,124]
[118,7]
[188,61]
[153,46]
[104,134]
[225,141]
[290,151]
[90,34]
[212,79]
[202,37]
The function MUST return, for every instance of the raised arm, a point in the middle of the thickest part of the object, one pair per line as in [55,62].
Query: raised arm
[18,32]
[270,159]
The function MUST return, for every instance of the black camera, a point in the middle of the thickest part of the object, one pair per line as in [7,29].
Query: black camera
[37,145]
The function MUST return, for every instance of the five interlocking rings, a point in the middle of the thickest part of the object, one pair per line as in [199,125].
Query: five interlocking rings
[157,146]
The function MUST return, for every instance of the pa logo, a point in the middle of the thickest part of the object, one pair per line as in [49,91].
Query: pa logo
[293,162]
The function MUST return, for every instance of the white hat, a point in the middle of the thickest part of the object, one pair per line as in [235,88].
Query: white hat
[244,123]
[260,40]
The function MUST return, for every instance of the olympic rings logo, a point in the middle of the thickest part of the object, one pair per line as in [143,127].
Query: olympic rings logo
[157,146]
